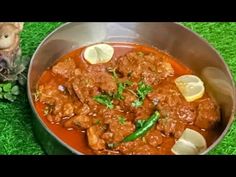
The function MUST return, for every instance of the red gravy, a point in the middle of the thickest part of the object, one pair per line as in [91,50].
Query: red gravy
[72,114]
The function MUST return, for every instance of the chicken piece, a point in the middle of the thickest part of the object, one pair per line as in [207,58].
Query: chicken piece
[62,105]
[137,147]
[79,120]
[147,66]
[154,138]
[144,111]
[187,112]
[94,140]
[65,68]
[171,127]
[68,110]
[208,114]
[129,98]
[49,93]
[120,130]
[81,110]
[106,82]
[81,89]
[171,103]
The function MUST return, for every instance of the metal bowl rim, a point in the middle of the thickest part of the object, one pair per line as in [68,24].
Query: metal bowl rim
[216,142]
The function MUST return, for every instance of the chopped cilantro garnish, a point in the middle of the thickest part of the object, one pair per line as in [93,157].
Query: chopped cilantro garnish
[104,99]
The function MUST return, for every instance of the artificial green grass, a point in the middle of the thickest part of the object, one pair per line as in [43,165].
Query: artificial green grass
[16,136]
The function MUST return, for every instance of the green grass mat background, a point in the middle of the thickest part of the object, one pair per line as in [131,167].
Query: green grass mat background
[16,136]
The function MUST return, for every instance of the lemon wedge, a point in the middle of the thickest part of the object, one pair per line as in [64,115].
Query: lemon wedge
[190,86]
[99,53]
[190,143]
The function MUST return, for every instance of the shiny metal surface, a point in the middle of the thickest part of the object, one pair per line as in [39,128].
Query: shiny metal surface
[180,42]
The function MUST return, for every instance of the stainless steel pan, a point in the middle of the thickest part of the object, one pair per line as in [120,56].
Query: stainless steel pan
[177,40]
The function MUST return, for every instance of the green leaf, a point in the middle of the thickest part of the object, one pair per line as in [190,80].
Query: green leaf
[104,99]
[7,87]
[128,83]
[36,95]
[113,71]
[48,110]
[137,103]
[122,120]
[1,95]
[97,122]
[15,90]
[141,54]
[120,89]
[142,92]
[0,89]
[112,145]
[9,97]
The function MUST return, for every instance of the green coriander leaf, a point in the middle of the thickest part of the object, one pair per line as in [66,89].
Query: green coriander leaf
[111,145]
[137,103]
[48,110]
[104,99]
[113,71]
[122,120]
[128,83]
[36,95]
[120,89]
[141,54]
[97,122]
[142,92]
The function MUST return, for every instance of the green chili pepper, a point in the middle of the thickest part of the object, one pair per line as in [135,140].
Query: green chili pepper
[144,129]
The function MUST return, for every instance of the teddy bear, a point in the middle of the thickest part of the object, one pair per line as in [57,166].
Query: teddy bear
[10,42]
[11,63]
